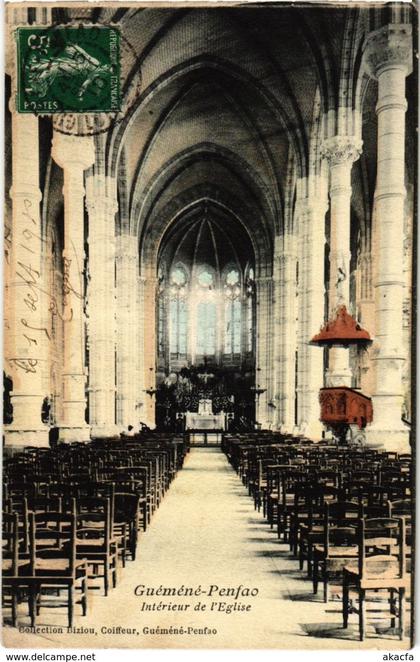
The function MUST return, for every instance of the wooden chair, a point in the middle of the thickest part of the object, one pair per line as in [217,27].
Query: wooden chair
[273,491]
[44,504]
[19,505]
[95,541]
[15,563]
[266,479]
[132,480]
[258,481]
[307,499]
[381,565]
[290,479]
[53,562]
[404,508]
[19,489]
[311,531]
[143,476]
[63,491]
[329,477]
[106,489]
[127,515]
[405,462]
[339,542]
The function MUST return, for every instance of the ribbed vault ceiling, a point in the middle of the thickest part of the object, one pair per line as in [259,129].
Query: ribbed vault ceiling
[207,236]
[228,97]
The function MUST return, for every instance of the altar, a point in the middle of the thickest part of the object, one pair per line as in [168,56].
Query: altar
[204,419]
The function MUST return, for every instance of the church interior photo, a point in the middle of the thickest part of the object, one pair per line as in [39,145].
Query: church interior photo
[209,330]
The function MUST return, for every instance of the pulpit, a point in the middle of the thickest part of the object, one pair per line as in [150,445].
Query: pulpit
[344,406]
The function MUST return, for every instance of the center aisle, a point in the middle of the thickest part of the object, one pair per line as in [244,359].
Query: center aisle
[206,534]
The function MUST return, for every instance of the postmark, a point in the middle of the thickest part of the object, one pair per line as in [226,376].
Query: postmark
[68,69]
[90,124]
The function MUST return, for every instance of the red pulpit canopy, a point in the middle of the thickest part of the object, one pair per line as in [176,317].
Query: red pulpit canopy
[343,330]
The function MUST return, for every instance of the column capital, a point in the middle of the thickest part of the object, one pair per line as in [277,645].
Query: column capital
[73,152]
[390,46]
[341,149]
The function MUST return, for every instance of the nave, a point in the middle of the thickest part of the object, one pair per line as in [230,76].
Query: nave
[207,533]
[248,222]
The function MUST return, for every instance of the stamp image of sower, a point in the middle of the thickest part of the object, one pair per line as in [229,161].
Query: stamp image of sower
[68,69]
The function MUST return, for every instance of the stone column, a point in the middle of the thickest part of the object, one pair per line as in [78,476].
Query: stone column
[140,384]
[407,303]
[264,354]
[366,316]
[285,330]
[74,155]
[127,327]
[388,56]
[311,226]
[102,205]
[300,223]
[277,330]
[315,292]
[341,152]
[149,345]
[26,338]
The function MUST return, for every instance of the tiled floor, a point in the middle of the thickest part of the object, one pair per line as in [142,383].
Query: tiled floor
[205,535]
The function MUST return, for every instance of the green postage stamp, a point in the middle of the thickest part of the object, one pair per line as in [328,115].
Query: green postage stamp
[68,69]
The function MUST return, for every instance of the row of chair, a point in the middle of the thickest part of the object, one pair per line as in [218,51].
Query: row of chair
[75,515]
[344,512]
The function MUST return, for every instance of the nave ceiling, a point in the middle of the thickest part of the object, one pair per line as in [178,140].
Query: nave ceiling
[233,107]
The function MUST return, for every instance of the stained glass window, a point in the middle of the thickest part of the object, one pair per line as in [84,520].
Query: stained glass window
[250,290]
[206,328]
[178,310]
[161,324]
[233,312]
[206,278]
[207,313]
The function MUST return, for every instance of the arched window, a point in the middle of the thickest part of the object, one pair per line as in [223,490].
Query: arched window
[178,310]
[206,328]
[161,324]
[233,311]
[250,296]
[206,312]
[161,312]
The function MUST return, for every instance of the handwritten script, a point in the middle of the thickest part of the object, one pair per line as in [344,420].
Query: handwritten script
[29,329]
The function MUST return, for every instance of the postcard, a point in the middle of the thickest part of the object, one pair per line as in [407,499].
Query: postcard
[209,325]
